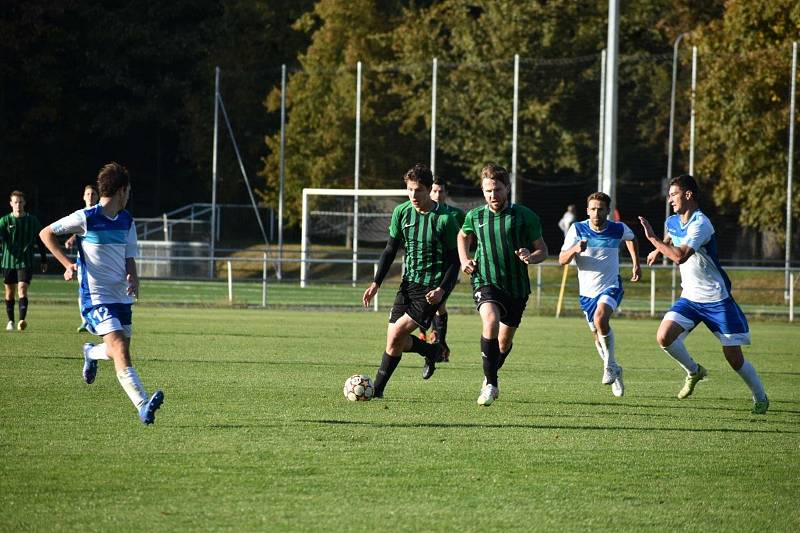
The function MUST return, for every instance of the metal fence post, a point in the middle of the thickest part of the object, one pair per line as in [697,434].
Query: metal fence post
[375,300]
[264,282]
[230,283]
[652,292]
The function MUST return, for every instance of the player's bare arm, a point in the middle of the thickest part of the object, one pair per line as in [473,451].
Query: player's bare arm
[370,293]
[678,254]
[633,251]
[567,255]
[538,254]
[464,243]
[132,277]
[51,242]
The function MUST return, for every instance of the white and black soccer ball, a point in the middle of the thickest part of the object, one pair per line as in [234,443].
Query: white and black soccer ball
[358,388]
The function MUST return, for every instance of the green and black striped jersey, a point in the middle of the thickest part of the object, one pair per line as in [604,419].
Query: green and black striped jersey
[427,238]
[498,236]
[456,213]
[17,236]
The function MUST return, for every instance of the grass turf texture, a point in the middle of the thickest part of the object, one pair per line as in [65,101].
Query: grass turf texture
[255,434]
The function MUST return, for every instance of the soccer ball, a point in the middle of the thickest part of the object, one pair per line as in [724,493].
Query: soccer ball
[358,388]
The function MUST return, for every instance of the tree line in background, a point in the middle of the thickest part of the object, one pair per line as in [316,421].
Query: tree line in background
[86,82]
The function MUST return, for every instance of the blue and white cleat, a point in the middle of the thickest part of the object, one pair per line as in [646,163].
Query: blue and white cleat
[89,365]
[147,414]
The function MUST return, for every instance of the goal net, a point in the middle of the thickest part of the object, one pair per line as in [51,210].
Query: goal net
[345,217]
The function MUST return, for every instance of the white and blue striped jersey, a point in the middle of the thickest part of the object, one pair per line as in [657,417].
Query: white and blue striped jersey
[103,247]
[598,265]
[702,277]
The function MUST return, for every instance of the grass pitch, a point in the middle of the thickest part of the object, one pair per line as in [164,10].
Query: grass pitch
[255,434]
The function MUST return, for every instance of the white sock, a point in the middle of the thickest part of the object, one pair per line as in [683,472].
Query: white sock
[607,342]
[600,350]
[132,385]
[750,376]
[98,352]
[677,350]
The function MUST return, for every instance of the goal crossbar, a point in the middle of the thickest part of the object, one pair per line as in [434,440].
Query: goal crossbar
[356,193]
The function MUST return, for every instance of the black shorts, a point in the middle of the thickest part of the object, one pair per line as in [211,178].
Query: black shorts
[410,300]
[511,308]
[12,276]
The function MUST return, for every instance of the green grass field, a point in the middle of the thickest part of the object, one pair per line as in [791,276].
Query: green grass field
[255,434]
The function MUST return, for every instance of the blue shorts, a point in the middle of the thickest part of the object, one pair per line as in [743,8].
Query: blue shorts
[724,318]
[612,297]
[102,319]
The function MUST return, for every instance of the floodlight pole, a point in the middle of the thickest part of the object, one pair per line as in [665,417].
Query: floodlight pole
[789,178]
[671,127]
[514,132]
[610,119]
[282,176]
[601,138]
[356,175]
[433,116]
[692,121]
[214,177]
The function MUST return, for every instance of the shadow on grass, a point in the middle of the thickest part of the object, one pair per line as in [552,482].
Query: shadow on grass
[434,425]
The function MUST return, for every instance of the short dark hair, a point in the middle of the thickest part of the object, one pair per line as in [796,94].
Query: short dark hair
[495,172]
[421,174]
[16,193]
[90,186]
[603,197]
[686,182]
[111,178]
[440,181]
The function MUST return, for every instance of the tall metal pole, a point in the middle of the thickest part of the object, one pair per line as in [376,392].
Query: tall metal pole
[602,120]
[433,116]
[691,123]
[356,175]
[279,269]
[213,231]
[610,127]
[790,174]
[514,132]
[671,128]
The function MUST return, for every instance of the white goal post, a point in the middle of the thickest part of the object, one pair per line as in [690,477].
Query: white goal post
[355,193]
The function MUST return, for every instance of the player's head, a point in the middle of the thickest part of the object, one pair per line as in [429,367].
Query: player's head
[114,179]
[419,180]
[439,190]
[17,202]
[495,185]
[683,193]
[598,205]
[90,195]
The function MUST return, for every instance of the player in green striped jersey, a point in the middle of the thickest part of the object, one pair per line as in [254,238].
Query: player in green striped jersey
[439,195]
[428,234]
[509,238]
[18,232]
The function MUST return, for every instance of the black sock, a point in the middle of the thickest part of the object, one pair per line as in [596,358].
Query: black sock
[490,354]
[23,308]
[10,309]
[421,347]
[388,364]
[440,327]
[503,356]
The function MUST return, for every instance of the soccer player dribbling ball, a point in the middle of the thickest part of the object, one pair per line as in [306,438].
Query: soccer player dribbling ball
[509,238]
[428,234]
[594,244]
[108,281]
[706,296]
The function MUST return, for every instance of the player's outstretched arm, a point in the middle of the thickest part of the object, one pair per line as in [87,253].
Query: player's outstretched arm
[674,253]
[132,277]
[464,242]
[51,242]
[565,256]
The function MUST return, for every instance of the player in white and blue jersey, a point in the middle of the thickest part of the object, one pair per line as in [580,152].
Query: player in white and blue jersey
[594,244]
[106,271]
[90,198]
[706,297]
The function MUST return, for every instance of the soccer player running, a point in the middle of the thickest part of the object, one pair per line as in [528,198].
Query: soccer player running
[706,297]
[108,281]
[18,231]
[509,238]
[428,233]
[594,244]
[90,198]
[439,195]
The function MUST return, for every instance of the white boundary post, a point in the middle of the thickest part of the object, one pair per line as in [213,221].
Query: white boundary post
[433,116]
[282,172]
[213,232]
[539,285]
[230,282]
[790,170]
[375,300]
[791,297]
[264,282]
[652,292]
[610,128]
[514,121]
[692,119]
[356,175]
[601,127]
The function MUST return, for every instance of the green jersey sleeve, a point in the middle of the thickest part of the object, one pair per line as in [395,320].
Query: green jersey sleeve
[449,231]
[468,227]
[395,229]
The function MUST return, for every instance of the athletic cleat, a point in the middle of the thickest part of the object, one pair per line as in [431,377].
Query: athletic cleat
[488,395]
[445,353]
[691,382]
[496,389]
[147,414]
[608,376]
[429,368]
[10,325]
[89,365]
[21,325]
[82,328]
[617,387]
[377,394]
[760,406]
